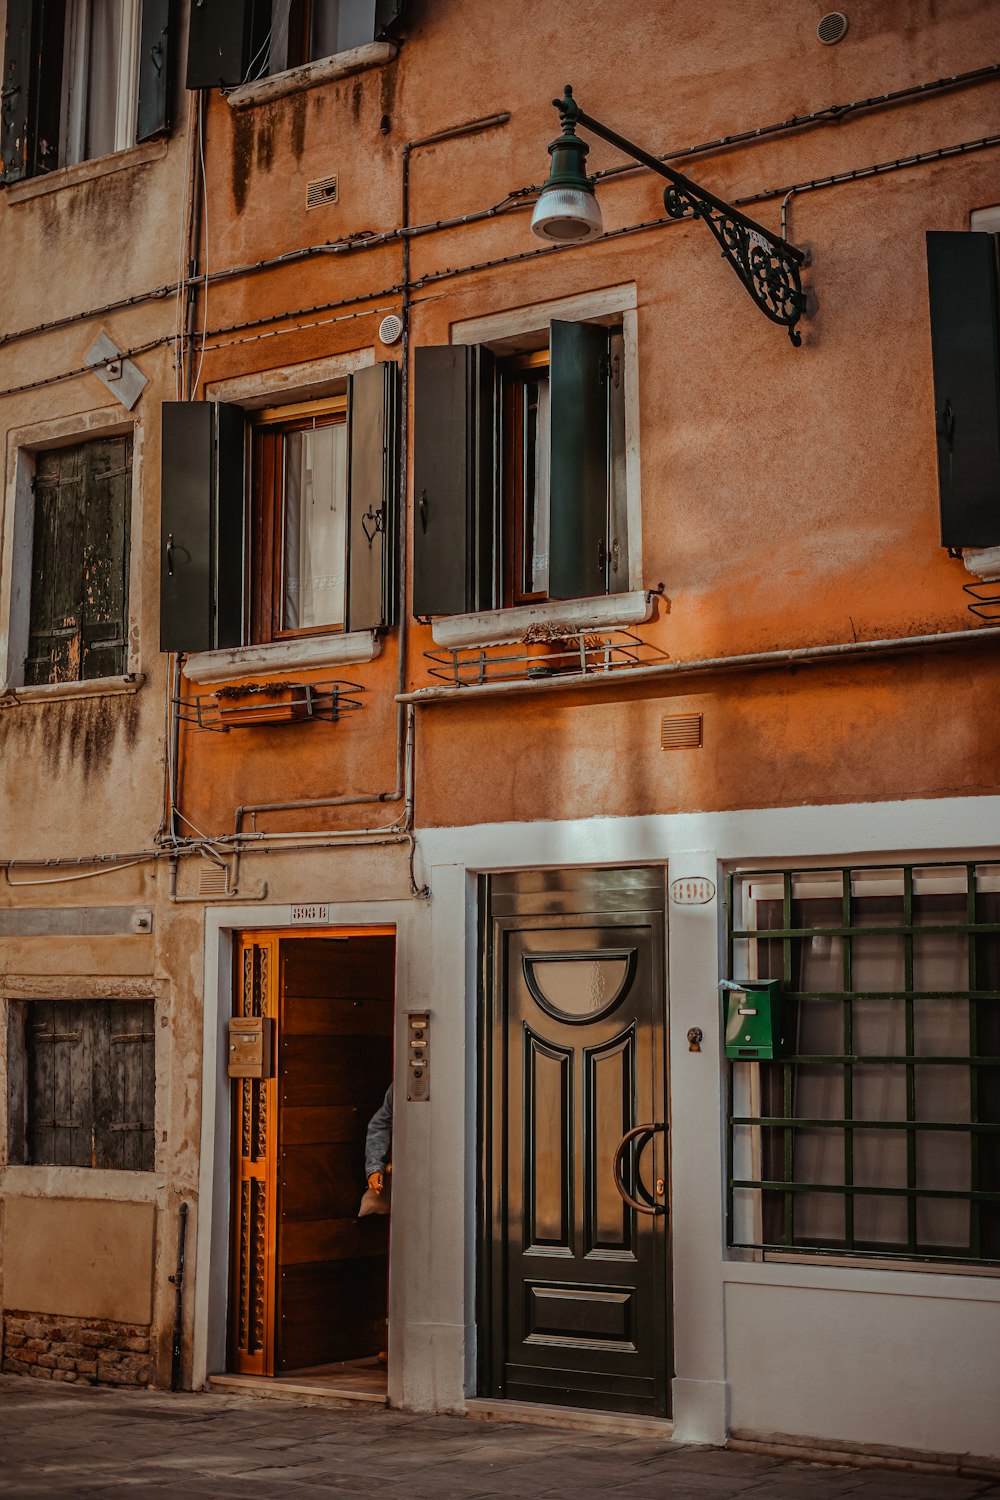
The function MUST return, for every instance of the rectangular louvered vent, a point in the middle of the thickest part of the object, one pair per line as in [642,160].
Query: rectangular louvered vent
[213,880]
[680,732]
[321,192]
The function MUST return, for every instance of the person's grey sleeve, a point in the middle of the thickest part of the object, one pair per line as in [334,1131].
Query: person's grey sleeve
[378,1141]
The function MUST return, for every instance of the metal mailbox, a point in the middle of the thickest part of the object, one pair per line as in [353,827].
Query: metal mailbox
[754,1026]
[250,1046]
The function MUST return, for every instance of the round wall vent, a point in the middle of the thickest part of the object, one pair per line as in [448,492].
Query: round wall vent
[390,328]
[832,28]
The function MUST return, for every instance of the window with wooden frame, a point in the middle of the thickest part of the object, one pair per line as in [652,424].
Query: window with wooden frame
[78,609]
[877,1133]
[299,541]
[281,522]
[82,79]
[81,1084]
[519,472]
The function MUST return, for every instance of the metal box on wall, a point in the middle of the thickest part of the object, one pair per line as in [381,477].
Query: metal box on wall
[754,1026]
[250,1046]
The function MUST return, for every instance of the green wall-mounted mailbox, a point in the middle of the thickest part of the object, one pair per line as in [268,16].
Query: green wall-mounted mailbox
[753,1020]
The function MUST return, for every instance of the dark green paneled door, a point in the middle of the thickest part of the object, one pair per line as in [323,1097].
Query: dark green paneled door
[577,1265]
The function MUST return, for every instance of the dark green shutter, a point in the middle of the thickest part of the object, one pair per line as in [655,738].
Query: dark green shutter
[78,618]
[444,479]
[965,340]
[373,421]
[218,43]
[388,18]
[156,53]
[578,483]
[201,526]
[15,92]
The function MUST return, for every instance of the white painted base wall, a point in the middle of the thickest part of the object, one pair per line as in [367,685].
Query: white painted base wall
[890,1357]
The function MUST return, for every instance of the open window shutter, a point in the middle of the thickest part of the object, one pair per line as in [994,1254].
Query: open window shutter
[578,482]
[965,340]
[201,526]
[15,92]
[388,18]
[107,495]
[444,479]
[373,480]
[57,583]
[156,50]
[218,43]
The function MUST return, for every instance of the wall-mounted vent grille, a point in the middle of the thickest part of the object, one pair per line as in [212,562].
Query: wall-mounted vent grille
[832,28]
[680,732]
[323,192]
[213,880]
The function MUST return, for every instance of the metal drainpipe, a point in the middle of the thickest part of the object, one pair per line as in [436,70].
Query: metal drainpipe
[405,724]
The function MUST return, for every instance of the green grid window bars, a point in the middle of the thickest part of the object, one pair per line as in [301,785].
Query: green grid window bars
[878,1133]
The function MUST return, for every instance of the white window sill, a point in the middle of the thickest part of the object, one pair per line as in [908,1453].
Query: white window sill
[302,654]
[52,692]
[324,70]
[86,171]
[982,562]
[495,626]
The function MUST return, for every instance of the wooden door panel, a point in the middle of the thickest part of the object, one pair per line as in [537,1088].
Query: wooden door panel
[332,1312]
[335,1062]
[333,1239]
[320,1182]
[312,1015]
[579,1279]
[315,1125]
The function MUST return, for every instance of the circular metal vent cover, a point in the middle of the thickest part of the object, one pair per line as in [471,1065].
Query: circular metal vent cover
[832,28]
[390,329]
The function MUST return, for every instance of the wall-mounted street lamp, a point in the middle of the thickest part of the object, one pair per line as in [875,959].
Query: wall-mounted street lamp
[567,210]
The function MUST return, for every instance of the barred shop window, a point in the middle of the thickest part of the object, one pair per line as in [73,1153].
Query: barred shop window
[232,42]
[280,522]
[81,1084]
[82,79]
[78,613]
[878,1134]
[519,472]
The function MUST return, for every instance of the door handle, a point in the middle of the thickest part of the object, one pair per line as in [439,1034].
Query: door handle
[646,1132]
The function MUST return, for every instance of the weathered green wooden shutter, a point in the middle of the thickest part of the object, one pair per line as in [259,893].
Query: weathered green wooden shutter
[106,526]
[578,483]
[373,424]
[78,615]
[156,67]
[446,479]
[965,340]
[201,526]
[15,92]
[618,553]
[219,43]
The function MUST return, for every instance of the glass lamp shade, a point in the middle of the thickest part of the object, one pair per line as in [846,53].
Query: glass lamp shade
[566,214]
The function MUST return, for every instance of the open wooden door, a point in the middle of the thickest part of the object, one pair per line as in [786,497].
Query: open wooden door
[310,1279]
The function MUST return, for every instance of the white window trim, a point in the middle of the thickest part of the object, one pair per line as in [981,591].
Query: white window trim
[505,330]
[16,543]
[75,68]
[305,382]
[323,70]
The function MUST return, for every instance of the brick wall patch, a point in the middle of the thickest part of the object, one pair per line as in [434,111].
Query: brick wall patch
[81,1350]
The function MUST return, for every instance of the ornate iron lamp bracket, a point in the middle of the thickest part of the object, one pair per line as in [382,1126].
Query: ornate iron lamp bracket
[768,266]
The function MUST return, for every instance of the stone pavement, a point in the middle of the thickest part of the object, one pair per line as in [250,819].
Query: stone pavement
[105,1442]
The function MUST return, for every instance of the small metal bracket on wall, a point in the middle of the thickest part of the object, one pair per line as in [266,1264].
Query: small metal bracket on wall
[124,380]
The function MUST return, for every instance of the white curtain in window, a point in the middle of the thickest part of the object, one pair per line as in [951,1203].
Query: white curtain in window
[315,527]
[540,507]
[99,78]
[338,25]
